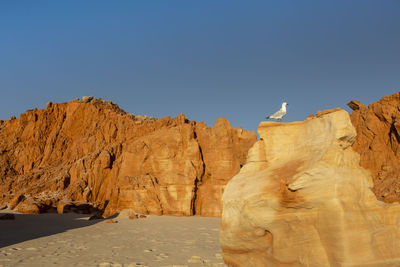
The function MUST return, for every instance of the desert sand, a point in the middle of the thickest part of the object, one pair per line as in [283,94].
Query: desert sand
[73,240]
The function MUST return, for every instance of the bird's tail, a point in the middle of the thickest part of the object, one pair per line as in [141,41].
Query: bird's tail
[268,117]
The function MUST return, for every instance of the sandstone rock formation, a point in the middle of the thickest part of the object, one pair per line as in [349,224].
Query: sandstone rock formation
[302,199]
[378,143]
[91,152]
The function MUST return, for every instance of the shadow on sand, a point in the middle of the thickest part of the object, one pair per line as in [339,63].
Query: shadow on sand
[31,226]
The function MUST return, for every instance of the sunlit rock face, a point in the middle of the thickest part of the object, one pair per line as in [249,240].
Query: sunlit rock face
[303,200]
[90,152]
[378,143]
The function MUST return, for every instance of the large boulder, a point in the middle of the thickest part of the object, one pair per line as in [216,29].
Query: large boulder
[302,199]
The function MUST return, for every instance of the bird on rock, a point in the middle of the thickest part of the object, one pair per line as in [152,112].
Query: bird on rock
[280,113]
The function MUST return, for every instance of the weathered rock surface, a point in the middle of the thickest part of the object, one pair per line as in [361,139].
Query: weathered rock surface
[91,152]
[378,143]
[302,199]
[224,151]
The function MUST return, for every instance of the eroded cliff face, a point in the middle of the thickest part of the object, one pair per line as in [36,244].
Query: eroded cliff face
[378,143]
[93,152]
[302,199]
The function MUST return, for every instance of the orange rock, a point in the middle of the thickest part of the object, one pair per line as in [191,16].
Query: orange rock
[60,207]
[93,152]
[132,217]
[224,151]
[28,207]
[378,143]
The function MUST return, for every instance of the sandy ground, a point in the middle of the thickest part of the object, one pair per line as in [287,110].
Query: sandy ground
[73,240]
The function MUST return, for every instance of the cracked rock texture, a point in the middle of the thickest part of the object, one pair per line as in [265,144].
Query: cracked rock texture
[378,143]
[302,199]
[92,153]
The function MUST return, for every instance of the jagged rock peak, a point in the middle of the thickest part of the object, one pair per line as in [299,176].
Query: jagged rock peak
[378,143]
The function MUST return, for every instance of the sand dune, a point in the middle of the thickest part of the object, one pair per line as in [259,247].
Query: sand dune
[72,240]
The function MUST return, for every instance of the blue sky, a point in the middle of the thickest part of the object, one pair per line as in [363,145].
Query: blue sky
[206,59]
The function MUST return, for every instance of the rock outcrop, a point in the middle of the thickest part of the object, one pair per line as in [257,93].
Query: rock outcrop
[378,143]
[302,199]
[91,152]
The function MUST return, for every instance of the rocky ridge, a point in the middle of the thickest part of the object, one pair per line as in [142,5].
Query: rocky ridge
[91,154]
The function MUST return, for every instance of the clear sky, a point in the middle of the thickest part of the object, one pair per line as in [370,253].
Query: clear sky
[206,59]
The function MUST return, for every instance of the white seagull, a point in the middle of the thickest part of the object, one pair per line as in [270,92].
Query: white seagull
[280,113]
